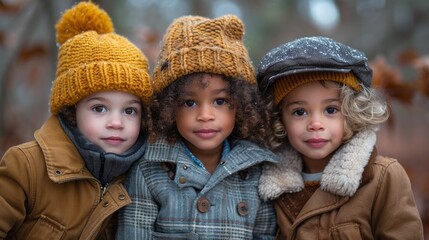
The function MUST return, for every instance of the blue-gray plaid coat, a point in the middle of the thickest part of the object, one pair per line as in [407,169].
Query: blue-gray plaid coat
[173,198]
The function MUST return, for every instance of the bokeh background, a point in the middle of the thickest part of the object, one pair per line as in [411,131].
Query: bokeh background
[393,33]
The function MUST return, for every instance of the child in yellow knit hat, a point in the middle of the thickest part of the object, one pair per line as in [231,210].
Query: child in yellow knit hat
[67,183]
[199,176]
[331,183]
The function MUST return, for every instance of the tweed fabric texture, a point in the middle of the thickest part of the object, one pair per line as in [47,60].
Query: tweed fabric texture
[166,206]
[95,59]
[194,44]
[286,84]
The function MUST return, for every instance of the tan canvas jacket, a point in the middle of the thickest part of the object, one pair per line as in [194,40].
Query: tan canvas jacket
[361,196]
[47,193]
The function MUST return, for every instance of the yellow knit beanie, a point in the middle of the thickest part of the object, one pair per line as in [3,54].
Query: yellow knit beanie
[194,44]
[93,58]
[287,83]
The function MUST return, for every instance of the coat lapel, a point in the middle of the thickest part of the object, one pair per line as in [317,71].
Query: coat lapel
[342,175]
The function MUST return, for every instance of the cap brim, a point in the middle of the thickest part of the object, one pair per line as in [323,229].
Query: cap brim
[306,69]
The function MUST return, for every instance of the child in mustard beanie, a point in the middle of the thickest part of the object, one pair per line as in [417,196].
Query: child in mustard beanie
[199,175]
[67,183]
[331,183]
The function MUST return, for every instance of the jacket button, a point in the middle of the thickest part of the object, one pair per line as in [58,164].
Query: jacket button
[121,196]
[242,208]
[203,204]
[182,180]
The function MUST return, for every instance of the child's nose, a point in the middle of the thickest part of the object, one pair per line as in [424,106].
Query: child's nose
[315,124]
[205,113]
[115,121]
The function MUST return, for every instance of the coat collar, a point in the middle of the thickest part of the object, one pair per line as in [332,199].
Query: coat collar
[243,154]
[63,161]
[342,176]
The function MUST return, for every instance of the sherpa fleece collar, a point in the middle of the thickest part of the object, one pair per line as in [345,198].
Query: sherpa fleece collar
[341,176]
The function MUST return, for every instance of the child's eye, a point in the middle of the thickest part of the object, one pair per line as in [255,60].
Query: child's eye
[130,111]
[331,110]
[299,112]
[99,108]
[189,103]
[221,101]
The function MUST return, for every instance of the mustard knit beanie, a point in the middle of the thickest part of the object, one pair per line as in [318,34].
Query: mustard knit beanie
[195,44]
[93,58]
[287,83]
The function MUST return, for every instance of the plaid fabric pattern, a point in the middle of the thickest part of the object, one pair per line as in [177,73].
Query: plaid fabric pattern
[165,206]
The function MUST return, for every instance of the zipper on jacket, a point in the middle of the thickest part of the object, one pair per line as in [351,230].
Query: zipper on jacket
[103,191]
[100,176]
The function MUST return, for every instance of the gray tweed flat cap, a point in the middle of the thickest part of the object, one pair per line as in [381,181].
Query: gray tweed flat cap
[312,54]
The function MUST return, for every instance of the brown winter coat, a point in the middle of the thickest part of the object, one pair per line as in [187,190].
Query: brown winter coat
[47,193]
[361,196]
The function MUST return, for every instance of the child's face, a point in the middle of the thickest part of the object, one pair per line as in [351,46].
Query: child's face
[205,117]
[110,119]
[313,120]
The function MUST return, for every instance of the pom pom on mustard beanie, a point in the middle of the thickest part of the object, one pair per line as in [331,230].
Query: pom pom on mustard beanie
[93,58]
[195,44]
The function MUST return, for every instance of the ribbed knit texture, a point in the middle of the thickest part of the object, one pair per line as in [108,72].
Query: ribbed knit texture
[194,44]
[92,58]
[286,84]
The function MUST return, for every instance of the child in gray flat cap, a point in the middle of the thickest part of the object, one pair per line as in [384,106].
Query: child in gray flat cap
[331,183]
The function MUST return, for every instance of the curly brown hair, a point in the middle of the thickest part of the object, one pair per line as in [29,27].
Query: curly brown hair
[251,120]
[361,109]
